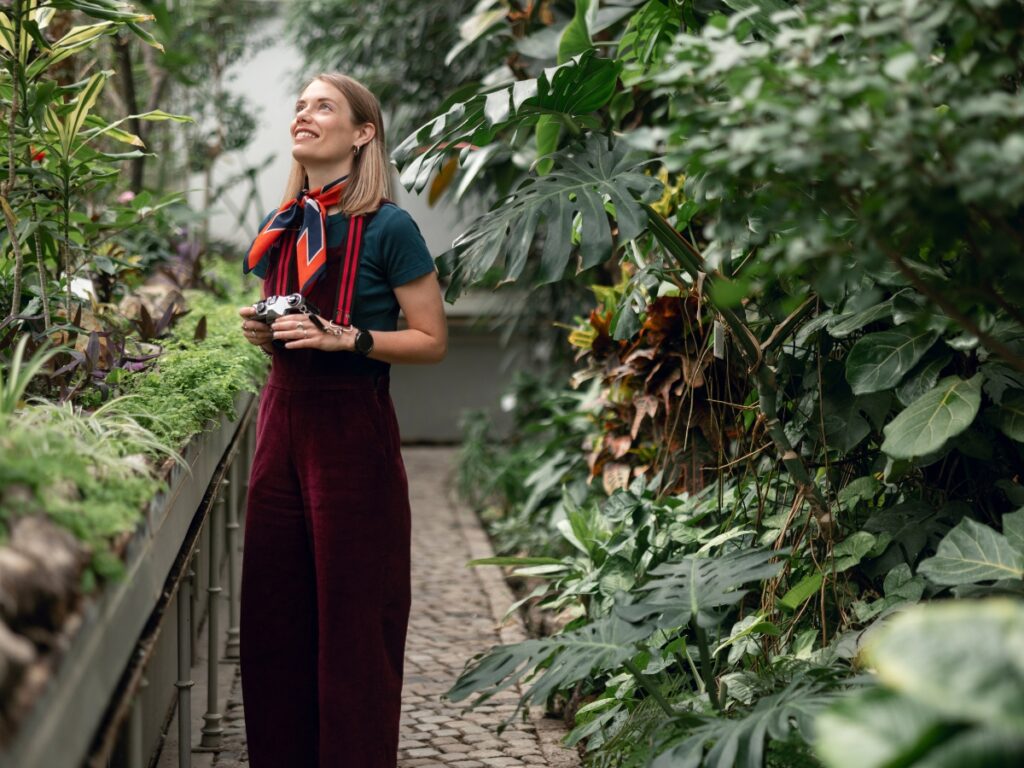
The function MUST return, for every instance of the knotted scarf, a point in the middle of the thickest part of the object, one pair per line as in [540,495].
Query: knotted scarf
[308,212]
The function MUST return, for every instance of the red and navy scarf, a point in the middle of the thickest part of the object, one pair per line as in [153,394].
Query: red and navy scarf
[307,213]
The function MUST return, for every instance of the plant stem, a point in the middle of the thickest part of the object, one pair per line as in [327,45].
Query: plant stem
[651,687]
[40,263]
[8,186]
[706,668]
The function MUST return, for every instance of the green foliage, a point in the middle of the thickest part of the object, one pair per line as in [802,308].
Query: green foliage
[576,190]
[570,92]
[698,588]
[195,383]
[845,213]
[950,692]
[973,552]
[93,471]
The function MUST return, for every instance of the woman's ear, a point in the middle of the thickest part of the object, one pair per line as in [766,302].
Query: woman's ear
[367,131]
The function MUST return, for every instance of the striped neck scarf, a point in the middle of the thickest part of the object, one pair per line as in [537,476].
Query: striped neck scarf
[308,213]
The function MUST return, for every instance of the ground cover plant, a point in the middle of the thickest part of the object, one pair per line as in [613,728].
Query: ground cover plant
[790,443]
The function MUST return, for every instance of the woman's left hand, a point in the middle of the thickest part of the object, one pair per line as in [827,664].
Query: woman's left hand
[299,332]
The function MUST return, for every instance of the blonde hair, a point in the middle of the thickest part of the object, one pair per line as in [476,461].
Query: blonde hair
[370,178]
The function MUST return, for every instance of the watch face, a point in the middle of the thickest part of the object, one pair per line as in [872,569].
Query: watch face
[364,342]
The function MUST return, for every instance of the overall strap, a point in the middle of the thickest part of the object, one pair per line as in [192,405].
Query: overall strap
[350,266]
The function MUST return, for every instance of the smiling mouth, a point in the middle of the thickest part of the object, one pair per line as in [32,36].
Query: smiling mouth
[305,135]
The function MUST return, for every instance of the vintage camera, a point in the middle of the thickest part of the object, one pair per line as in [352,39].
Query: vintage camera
[273,307]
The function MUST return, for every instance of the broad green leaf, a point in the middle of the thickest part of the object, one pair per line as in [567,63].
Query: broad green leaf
[851,550]
[879,360]
[1013,529]
[699,587]
[7,33]
[977,748]
[101,9]
[496,106]
[927,423]
[575,38]
[872,729]
[802,591]
[924,375]
[548,131]
[973,552]
[1009,416]
[963,658]
[841,326]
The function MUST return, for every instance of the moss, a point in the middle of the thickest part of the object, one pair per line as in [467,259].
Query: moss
[93,472]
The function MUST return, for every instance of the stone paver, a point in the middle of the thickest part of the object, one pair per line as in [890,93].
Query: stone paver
[454,615]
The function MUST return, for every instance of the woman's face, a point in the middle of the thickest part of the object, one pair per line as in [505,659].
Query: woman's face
[322,129]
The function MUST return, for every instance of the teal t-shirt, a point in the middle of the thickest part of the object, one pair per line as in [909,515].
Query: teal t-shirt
[394,252]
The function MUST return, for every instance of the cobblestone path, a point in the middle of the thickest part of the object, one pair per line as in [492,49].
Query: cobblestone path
[453,616]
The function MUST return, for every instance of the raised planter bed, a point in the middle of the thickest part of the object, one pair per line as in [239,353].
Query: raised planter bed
[69,694]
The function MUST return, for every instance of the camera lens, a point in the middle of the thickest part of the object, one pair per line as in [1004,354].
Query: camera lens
[294,299]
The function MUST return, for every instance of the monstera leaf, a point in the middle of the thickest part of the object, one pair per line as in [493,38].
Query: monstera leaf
[742,741]
[569,92]
[699,587]
[601,646]
[577,187]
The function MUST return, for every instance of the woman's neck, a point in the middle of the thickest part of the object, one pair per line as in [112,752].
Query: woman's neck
[320,175]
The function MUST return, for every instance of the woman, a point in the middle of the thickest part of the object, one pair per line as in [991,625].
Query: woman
[325,570]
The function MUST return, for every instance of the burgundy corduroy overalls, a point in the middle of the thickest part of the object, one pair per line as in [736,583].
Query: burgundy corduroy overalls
[325,586]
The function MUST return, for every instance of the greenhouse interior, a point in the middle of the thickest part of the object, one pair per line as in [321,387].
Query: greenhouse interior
[509,383]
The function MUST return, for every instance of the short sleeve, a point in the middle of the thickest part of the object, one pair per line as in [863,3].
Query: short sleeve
[404,251]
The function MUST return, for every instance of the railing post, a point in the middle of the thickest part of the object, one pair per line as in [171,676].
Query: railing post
[193,602]
[184,683]
[135,757]
[231,531]
[212,730]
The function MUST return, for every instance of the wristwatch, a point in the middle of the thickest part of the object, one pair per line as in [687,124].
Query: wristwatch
[363,342]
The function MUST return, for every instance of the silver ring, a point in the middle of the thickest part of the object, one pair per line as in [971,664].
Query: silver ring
[299,326]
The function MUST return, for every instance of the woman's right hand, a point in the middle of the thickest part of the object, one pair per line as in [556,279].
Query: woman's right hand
[256,332]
